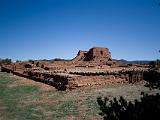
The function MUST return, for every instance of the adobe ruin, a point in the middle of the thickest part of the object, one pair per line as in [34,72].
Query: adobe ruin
[94,54]
[88,68]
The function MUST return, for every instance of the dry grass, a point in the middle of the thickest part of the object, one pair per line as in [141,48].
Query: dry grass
[25,99]
[24,81]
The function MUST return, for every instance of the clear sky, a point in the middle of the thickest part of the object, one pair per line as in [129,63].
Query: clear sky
[47,29]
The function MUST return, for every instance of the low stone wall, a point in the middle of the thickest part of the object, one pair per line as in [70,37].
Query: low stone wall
[5,69]
[71,80]
[58,81]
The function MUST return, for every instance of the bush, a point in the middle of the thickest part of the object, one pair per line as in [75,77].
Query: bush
[5,61]
[46,68]
[154,64]
[37,64]
[28,66]
[18,61]
[153,78]
[153,75]
[31,61]
[146,109]
[42,66]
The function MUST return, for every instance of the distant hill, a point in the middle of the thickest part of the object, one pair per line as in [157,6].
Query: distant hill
[134,62]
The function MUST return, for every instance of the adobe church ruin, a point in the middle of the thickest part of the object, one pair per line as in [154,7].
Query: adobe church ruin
[94,54]
[88,68]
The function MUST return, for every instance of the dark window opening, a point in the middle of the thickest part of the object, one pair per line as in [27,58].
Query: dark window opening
[101,52]
[109,59]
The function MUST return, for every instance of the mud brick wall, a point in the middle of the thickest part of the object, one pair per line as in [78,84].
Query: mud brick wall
[98,54]
[80,56]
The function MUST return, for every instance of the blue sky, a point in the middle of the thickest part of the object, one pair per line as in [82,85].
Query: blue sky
[47,29]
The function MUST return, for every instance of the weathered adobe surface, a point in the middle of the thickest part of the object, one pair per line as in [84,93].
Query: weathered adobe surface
[95,55]
[70,80]
[88,68]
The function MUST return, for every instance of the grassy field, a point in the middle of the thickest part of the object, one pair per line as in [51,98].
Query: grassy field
[23,99]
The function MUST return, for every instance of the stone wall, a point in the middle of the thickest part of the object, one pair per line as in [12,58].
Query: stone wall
[80,56]
[96,55]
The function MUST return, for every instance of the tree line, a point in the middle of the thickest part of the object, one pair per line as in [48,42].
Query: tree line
[5,61]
